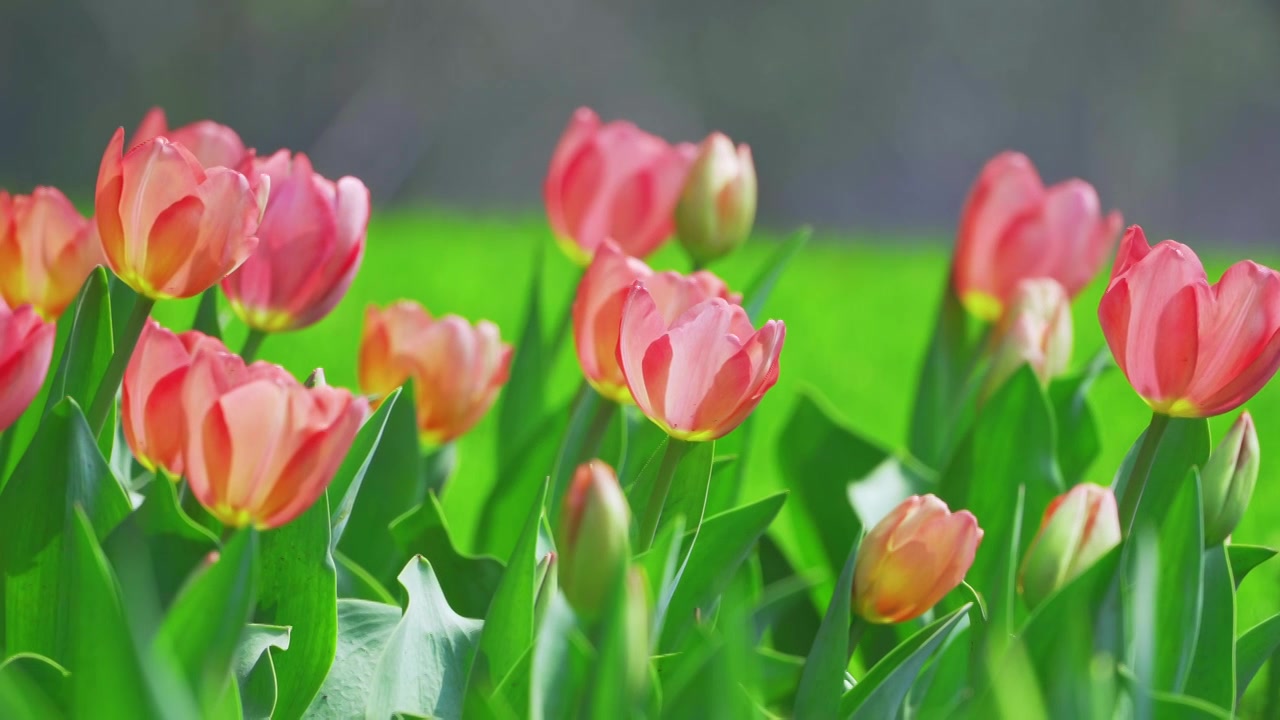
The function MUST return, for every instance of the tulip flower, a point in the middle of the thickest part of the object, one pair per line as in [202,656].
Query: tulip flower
[26,347]
[597,310]
[1190,349]
[718,204]
[1013,228]
[912,558]
[700,375]
[1036,331]
[1078,528]
[457,369]
[213,145]
[593,538]
[260,447]
[613,181]
[47,250]
[310,243]
[1228,478]
[171,228]
[151,399]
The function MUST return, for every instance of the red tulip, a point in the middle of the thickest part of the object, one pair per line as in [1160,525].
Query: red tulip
[310,243]
[1013,228]
[457,369]
[613,181]
[597,310]
[700,375]
[47,249]
[213,145]
[170,228]
[261,447]
[151,402]
[1190,349]
[912,558]
[26,347]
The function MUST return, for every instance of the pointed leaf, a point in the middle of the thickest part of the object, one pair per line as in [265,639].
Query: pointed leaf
[881,692]
[254,671]
[1180,593]
[1213,668]
[1244,558]
[350,476]
[757,294]
[1253,649]
[87,350]
[822,682]
[469,581]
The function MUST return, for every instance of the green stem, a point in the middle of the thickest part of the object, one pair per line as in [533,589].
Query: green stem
[104,400]
[251,344]
[661,487]
[857,626]
[1133,490]
[595,431]
[437,466]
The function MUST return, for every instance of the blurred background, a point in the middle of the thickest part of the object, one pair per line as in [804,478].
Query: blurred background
[863,116]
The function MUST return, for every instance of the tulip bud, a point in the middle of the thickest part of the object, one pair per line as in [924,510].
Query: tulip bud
[718,204]
[1036,331]
[1228,479]
[1079,527]
[593,538]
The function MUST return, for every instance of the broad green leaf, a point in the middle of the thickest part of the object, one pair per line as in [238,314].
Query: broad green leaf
[1244,558]
[661,564]
[88,345]
[757,294]
[726,486]
[702,682]
[941,385]
[33,686]
[519,481]
[524,396]
[590,418]
[254,670]
[469,581]
[1213,668]
[797,621]
[822,682]
[612,694]
[122,300]
[363,630]
[562,664]
[61,470]
[1182,445]
[1078,441]
[644,443]
[881,692]
[687,494]
[722,544]
[1253,649]
[356,582]
[298,587]
[1169,706]
[1180,592]
[347,482]
[779,676]
[206,320]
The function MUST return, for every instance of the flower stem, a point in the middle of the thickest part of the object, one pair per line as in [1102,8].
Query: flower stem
[857,626]
[1141,470]
[251,344]
[661,487]
[104,400]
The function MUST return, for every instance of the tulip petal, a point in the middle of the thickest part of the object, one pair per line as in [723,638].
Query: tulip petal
[701,343]
[1178,343]
[170,247]
[640,327]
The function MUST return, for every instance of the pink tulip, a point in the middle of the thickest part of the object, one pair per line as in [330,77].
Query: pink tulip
[1078,528]
[169,227]
[26,347]
[912,558]
[613,181]
[310,244]
[457,369]
[151,403]
[597,310]
[1013,228]
[700,375]
[261,447]
[213,145]
[717,206]
[1190,349]
[47,249]
[1035,331]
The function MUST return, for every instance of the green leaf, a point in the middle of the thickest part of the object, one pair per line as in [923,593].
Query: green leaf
[518,482]
[1078,440]
[881,692]
[581,440]
[254,670]
[363,631]
[1168,706]
[1213,668]
[356,582]
[940,389]
[757,294]
[1183,444]
[822,682]
[1244,558]
[688,495]
[612,694]
[88,345]
[347,482]
[713,557]
[298,587]
[61,470]
[524,395]
[562,663]
[32,686]
[1180,592]
[1253,649]
[206,319]
[469,581]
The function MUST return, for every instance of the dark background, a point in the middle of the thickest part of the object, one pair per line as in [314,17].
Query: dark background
[869,116]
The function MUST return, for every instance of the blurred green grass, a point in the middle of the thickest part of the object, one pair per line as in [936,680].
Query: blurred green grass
[858,310]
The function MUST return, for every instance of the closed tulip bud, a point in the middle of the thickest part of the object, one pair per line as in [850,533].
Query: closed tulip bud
[47,249]
[593,539]
[613,181]
[151,396]
[26,347]
[1013,228]
[718,205]
[214,145]
[1036,331]
[171,228]
[1190,349]
[310,243]
[597,310]
[457,369]
[261,448]
[701,374]
[913,557]
[1078,528]
[1228,479]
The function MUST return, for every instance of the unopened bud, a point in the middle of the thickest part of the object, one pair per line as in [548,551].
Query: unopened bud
[1228,478]
[1078,528]
[718,204]
[1035,330]
[593,539]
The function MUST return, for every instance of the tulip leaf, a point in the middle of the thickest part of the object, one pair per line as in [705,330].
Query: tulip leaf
[206,320]
[562,663]
[1180,589]
[33,686]
[610,692]
[1213,667]
[356,582]
[941,388]
[1182,445]
[1169,706]
[524,396]
[1244,558]
[757,294]
[363,630]
[347,482]
[518,484]
[661,566]
[714,554]
[469,581]
[254,670]
[1078,439]
[1255,646]
[643,444]
[581,441]
[881,692]
[821,683]
[88,343]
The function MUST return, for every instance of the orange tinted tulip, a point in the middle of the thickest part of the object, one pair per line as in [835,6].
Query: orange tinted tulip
[26,347]
[47,249]
[213,145]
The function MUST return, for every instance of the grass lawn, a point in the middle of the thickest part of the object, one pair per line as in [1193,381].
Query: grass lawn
[858,313]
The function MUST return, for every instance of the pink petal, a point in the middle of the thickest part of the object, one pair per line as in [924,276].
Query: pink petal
[640,327]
